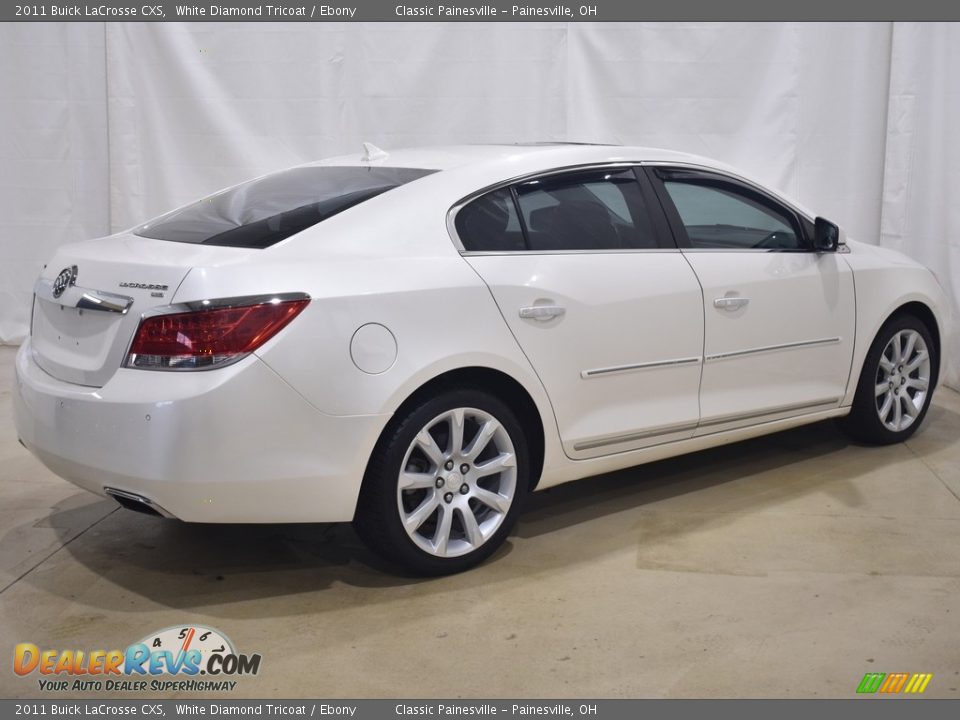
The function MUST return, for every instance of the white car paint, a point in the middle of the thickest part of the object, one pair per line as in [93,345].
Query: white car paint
[284,434]
[793,298]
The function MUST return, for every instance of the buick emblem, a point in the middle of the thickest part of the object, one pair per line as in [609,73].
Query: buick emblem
[66,278]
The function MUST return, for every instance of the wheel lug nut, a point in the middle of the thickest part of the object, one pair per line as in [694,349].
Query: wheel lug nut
[439,482]
[464,489]
[448,497]
[464,469]
[448,464]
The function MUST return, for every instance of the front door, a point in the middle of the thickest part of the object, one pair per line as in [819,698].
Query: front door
[778,317]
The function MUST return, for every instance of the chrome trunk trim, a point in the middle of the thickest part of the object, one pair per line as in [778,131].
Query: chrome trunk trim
[83,298]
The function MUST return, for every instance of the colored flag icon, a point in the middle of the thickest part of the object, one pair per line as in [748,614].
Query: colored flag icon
[894,683]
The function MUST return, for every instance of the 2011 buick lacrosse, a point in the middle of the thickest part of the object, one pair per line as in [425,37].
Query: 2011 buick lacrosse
[414,341]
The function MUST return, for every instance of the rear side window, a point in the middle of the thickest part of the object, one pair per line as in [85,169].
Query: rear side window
[490,224]
[586,210]
[262,212]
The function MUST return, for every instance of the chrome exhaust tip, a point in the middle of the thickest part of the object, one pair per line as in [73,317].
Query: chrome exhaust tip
[137,503]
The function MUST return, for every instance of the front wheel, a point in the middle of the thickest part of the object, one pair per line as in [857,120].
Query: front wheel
[895,385]
[445,483]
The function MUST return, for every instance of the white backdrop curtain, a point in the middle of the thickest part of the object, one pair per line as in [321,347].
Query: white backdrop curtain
[105,125]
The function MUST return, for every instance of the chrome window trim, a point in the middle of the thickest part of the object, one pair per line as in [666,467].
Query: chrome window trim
[618,369]
[766,192]
[773,348]
[745,250]
[607,251]
[456,207]
[619,164]
[773,195]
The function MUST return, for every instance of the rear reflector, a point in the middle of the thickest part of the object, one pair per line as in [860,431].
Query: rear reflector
[206,339]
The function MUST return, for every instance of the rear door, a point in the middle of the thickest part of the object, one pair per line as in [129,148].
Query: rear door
[606,309]
[779,317]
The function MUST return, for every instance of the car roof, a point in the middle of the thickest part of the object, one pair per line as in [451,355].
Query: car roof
[466,169]
[549,153]
[462,172]
[482,164]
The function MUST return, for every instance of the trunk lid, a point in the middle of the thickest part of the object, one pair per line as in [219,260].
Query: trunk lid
[90,297]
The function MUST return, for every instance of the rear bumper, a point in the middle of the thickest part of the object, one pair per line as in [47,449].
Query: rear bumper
[231,445]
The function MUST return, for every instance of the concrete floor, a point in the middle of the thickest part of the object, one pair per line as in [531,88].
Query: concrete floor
[781,567]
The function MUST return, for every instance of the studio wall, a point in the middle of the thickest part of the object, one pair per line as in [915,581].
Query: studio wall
[105,125]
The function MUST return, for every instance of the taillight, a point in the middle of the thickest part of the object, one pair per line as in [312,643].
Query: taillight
[209,338]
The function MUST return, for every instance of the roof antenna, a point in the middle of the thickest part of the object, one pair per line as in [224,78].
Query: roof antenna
[371,152]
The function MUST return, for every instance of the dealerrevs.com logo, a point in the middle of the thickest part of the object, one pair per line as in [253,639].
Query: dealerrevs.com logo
[176,659]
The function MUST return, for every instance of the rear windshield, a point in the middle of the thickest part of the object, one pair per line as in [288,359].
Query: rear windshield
[262,212]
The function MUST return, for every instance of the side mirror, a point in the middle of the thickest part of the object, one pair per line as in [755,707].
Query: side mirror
[826,235]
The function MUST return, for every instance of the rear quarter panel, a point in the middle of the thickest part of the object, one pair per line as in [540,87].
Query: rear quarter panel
[395,265]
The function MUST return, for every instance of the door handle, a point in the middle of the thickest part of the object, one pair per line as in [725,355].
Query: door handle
[542,312]
[730,303]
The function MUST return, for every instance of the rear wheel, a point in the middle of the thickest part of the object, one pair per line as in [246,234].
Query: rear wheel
[445,483]
[895,385]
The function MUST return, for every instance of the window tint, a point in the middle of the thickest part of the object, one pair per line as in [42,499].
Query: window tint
[490,224]
[720,215]
[586,211]
[265,211]
[595,210]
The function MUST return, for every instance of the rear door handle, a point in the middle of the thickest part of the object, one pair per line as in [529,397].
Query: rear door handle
[730,303]
[542,312]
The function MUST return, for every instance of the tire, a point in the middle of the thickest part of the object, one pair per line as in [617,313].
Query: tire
[896,383]
[459,498]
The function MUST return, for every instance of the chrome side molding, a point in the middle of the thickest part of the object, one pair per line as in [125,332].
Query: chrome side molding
[772,348]
[616,369]
[806,407]
[760,416]
[632,437]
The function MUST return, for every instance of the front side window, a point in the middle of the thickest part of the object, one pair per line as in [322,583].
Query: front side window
[262,212]
[583,210]
[723,215]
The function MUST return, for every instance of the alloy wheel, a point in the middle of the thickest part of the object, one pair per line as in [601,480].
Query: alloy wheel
[457,482]
[902,380]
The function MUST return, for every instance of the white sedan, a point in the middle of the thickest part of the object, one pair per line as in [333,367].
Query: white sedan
[415,340]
